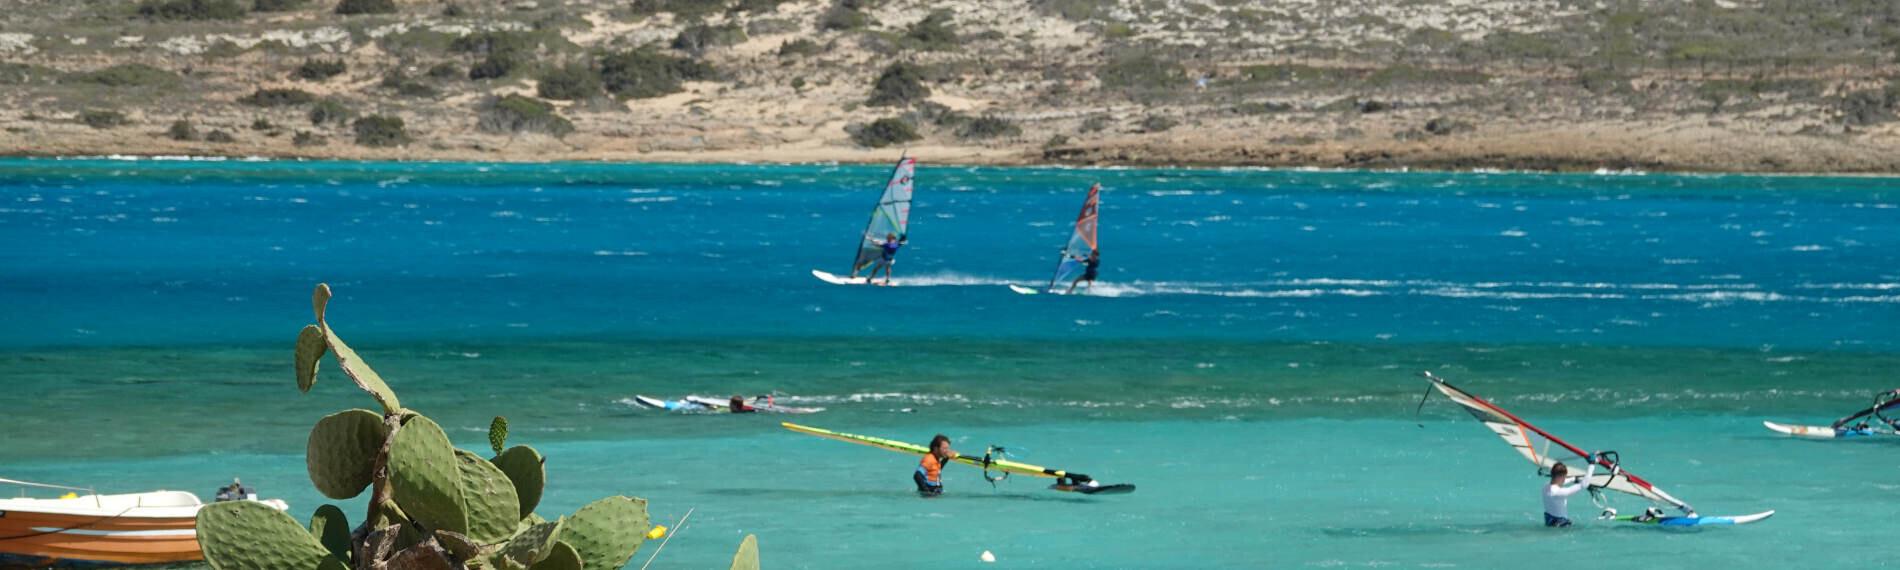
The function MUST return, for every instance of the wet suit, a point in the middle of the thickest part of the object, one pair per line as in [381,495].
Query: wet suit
[1557,499]
[929,475]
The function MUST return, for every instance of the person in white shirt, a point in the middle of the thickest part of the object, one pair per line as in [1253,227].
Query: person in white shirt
[1557,494]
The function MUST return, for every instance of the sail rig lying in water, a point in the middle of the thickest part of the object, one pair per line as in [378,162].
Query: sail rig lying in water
[1544,450]
[1075,254]
[988,462]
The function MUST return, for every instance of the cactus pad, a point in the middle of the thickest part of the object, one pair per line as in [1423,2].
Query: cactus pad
[310,349]
[532,544]
[238,535]
[748,556]
[607,532]
[425,476]
[498,434]
[365,378]
[561,557]
[524,468]
[342,452]
[332,530]
[492,510]
[425,556]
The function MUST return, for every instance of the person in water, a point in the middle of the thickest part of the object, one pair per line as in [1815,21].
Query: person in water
[929,475]
[235,492]
[1557,494]
[1094,262]
[887,256]
[738,405]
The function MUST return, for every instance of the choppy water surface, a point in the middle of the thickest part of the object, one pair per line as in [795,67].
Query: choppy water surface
[1248,359]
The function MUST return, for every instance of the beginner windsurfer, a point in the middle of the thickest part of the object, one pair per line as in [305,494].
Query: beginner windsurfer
[929,475]
[1093,263]
[1557,494]
[738,406]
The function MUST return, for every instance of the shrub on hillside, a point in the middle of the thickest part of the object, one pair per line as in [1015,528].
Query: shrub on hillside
[348,7]
[262,124]
[900,84]
[568,83]
[697,39]
[191,9]
[1157,123]
[885,132]
[129,75]
[800,47]
[843,15]
[272,97]
[319,69]
[989,127]
[682,9]
[935,32]
[643,73]
[406,86]
[380,131]
[220,137]
[445,70]
[307,138]
[101,119]
[277,5]
[1139,69]
[329,111]
[516,114]
[182,131]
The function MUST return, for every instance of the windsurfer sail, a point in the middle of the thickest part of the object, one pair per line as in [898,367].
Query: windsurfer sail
[1076,260]
[1883,402]
[891,217]
[989,462]
[1545,450]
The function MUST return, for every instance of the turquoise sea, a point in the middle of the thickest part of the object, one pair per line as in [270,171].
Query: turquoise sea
[1249,360]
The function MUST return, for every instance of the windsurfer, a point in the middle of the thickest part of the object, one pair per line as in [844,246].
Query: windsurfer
[1093,263]
[1557,494]
[738,406]
[929,475]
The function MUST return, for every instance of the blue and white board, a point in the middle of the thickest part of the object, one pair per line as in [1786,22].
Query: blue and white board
[1697,521]
[1821,432]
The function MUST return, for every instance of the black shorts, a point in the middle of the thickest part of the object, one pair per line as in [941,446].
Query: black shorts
[923,485]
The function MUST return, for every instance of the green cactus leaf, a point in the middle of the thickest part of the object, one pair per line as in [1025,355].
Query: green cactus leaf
[239,535]
[332,530]
[525,469]
[748,556]
[341,453]
[310,349]
[607,532]
[459,545]
[425,477]
[320,300]
[492,509]
[562,556]
[498,434]
[365,378]
[532,544]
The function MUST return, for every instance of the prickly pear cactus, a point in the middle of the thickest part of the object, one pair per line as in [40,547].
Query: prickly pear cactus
[525,468]
[748,556]
[561,557]
[332,530]
[310,349]
[498,434]
[426,477]
[492,510]
[245,535]
[607,532]
[342,452]
[352,365]
[531,545]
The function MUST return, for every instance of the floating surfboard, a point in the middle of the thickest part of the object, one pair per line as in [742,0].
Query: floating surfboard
[762,407]
[1694,521]
[1021,290]
[1821,432]
[1065,481]
[669,405]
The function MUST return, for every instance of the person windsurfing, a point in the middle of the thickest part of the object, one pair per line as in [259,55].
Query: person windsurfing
[1557,494]
[887,256]
[1093,263]
[929,475]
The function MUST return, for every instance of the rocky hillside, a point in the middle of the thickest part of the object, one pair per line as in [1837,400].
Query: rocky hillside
[1757,85]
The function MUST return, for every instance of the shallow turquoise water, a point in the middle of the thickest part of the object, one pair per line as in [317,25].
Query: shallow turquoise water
[1250,365]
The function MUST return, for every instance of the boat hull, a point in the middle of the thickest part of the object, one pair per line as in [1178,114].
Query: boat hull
[47,539]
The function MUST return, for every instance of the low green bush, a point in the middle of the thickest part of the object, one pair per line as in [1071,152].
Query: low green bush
[885,132]
[329,111]
[379,131]
[989,127]
[899,84]
[699,38]
[644,73]
[319,69]
[129,75]
[277,5]
[800,47]
[568,83]
[103,119]
[936,32]
[182,131]
[276,97]
[220,137]
[513,114]
[350,7]
[191,9]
